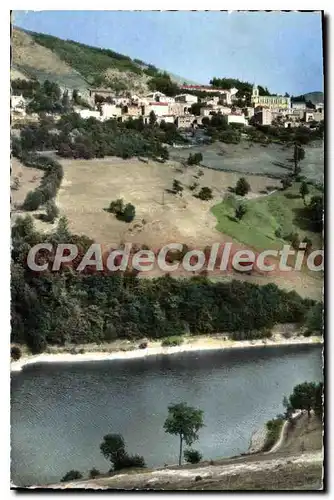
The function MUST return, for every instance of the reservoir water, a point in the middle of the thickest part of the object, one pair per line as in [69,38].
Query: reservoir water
[60,412]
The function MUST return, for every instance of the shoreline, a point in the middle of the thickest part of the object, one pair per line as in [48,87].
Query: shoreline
[199,344]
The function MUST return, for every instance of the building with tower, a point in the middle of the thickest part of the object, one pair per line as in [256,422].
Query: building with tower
[270,101]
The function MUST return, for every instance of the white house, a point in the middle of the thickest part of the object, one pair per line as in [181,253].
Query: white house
[159,108]
[159,97]
[110,111]
[88,113]
[187,98]
[236,118]
[18,104]
[298,105]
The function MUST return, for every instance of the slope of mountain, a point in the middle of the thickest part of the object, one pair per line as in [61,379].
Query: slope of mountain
[76,65]
[35,61]
[314,97]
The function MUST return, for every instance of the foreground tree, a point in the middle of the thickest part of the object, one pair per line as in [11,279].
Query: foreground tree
[192,456]
[184,421]
[113,449]
[72,475]
[304,397]
[298,155]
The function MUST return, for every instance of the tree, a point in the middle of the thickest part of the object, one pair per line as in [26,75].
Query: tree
[164,154]
[65,101]
[205,194]
[177,188]
[93,473]
[304,190]
[52,211]
[129,213]
[152,118]
[117,206]
[298,155]
[315,209]
[72,475]
[113,447]
[15,353]
[303,397]
[195,159]
[286,182]
[314,319]
[242,187]
[240,211]
[33,200]
[184,421]
[192,456]
[318,403]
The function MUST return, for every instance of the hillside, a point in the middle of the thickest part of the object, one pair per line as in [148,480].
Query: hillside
[314,97]
[76,65]
[35,61]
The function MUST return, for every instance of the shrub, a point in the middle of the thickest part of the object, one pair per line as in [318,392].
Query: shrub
[177,188]
[273,432]
[15,353]
[240,211]
[192,456]
[72,475]
[172,341]
[205,194]
[242,187]
[143,345]
[93,473]
[193,186]
[286,183]
[128,214]
[125,461]
[116,207]
[279,232]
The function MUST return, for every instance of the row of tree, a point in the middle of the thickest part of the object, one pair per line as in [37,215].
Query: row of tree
[63,307]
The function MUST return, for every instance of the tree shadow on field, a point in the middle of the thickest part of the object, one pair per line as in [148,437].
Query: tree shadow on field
[231,189]
[232,219]
[281,165]
[292,196]
[301,218]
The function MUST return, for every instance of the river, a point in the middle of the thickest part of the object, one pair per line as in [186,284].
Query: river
[60,412]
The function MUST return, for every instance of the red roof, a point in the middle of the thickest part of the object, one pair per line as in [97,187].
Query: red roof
[200,87]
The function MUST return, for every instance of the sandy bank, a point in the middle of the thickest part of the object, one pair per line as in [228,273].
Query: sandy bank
[155,349]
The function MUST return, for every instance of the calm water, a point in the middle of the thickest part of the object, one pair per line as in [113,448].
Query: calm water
[61,412]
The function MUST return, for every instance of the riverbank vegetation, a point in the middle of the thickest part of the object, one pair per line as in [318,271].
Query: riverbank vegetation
[55,308]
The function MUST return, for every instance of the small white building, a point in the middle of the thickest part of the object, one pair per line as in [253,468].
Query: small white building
[236,118]
[88,113]
[159,108]
[18,104]
[159,97]
[110,111]
[298,105]
[187,98]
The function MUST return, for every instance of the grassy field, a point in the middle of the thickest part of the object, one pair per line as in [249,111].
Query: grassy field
[282,209]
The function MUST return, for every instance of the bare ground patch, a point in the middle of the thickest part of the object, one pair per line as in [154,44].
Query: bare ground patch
[161,217]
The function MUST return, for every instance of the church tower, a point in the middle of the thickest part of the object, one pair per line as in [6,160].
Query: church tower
[255,94]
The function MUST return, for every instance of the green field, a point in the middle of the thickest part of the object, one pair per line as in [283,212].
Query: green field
[282,209]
